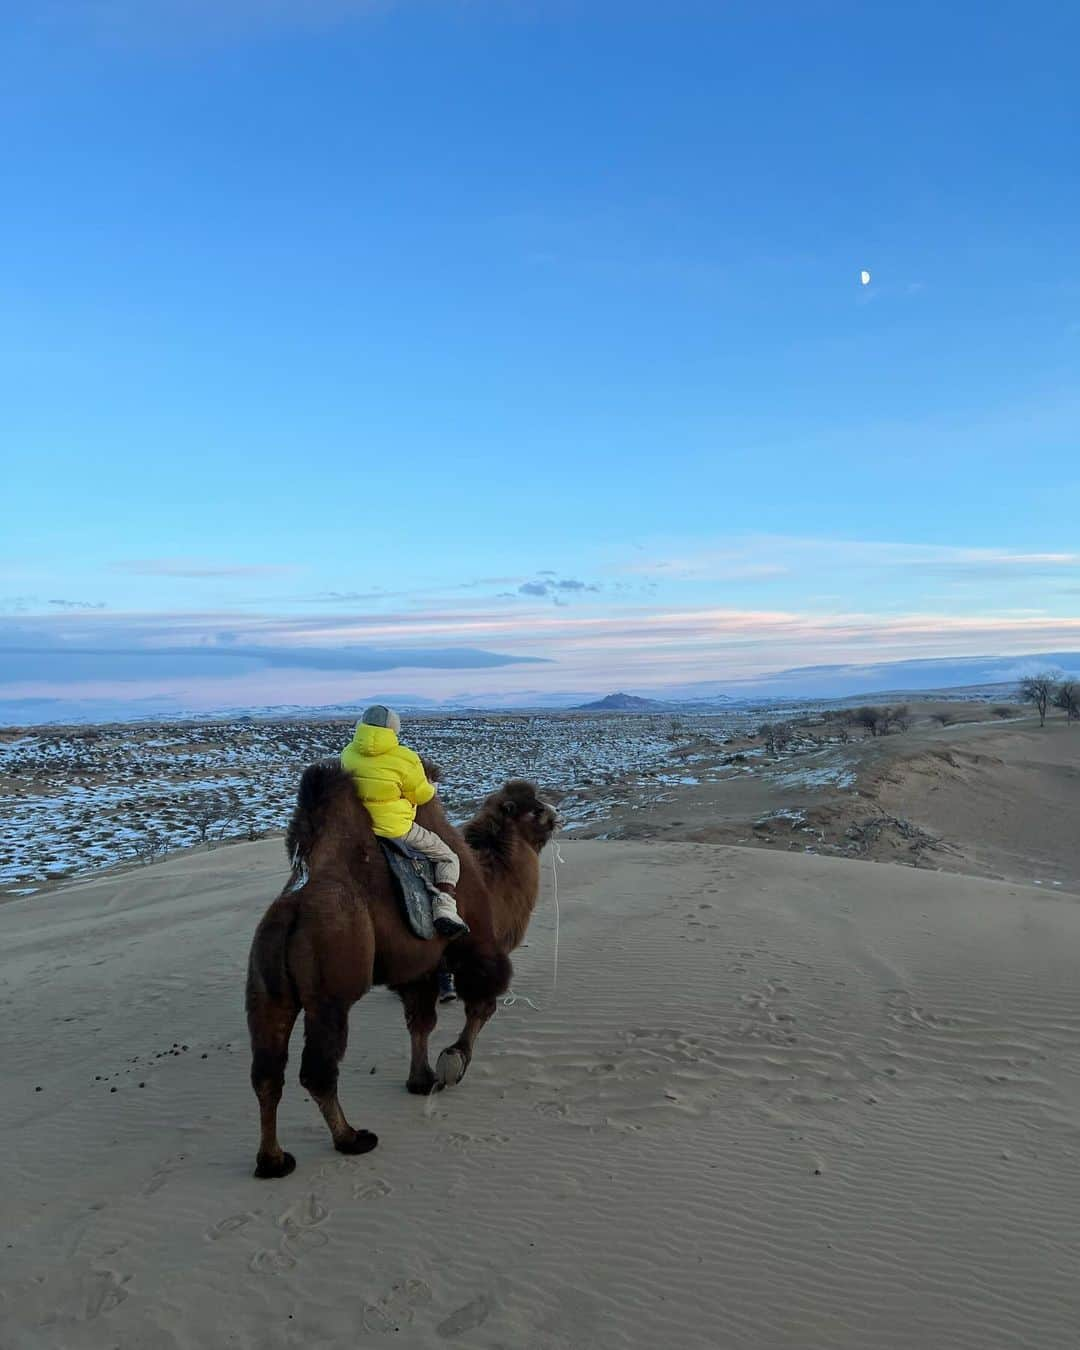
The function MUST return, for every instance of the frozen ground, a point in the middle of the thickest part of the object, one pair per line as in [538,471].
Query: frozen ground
[81,798]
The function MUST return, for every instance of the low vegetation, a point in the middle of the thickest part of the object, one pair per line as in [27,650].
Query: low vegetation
[1067,698]
[1047,690]
[880,721]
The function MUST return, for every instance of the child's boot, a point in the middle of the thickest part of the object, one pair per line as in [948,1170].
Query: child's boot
[444,911]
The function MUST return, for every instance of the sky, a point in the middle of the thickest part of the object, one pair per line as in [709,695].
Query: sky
[498,348]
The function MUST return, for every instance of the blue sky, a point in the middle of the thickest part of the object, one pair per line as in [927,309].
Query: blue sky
[498,346]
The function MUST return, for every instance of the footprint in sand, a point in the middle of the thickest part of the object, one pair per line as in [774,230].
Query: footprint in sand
[231,1224]
[552,1110]
[305,1213]
[396,1308]
[372,1190]
[463,1142]
[300,1222]
[104,1292]
[266,1262]
[162,1175]
[466,1318]
[338,1166]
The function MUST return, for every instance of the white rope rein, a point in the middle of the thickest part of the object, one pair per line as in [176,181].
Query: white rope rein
[510,997]
[556,859]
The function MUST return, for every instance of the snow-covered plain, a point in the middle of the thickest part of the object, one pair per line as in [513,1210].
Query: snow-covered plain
[79,798]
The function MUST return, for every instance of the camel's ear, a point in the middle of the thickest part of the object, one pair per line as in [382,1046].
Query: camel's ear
[509,808]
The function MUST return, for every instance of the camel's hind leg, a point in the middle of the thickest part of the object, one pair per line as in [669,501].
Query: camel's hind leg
[270,1023]
[419,1001]
[480,981]
[326,1031]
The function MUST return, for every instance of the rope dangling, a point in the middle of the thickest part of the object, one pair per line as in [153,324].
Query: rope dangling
[510,998]
[556,858]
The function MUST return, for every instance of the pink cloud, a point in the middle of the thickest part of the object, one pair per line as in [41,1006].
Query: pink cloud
[587,651]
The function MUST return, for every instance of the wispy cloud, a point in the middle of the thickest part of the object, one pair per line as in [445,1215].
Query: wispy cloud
[772,557]
[18,604]
[666,615]
[77,604]
[548,585]
[196,569]
[988,564]
[356,597]
[129,648]
[218,659]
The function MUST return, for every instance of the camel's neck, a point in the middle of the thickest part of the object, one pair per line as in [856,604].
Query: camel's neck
[513,876]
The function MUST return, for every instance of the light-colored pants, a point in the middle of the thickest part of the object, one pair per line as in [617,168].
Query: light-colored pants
[447,863]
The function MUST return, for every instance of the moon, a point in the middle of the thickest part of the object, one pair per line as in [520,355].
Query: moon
[864,277]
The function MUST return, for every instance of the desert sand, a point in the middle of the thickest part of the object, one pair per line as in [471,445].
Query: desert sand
[775,1100]
[981,797]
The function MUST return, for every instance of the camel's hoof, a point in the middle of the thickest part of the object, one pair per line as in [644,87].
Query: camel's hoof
[265,1167]
[362,1141]
[450,1067]
[423,1085]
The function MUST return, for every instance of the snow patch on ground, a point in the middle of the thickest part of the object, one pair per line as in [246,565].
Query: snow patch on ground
[81,798]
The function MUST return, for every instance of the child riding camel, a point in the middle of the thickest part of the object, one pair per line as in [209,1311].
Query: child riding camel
[391,782]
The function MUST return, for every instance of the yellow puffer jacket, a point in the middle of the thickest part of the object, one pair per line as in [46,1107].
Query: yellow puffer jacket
[389,778]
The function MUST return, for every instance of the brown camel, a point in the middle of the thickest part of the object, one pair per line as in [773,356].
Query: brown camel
[322,944]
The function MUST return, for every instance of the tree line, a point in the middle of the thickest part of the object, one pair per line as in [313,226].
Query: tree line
[1048,690]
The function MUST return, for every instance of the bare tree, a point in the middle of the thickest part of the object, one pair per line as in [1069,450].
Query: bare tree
[151,846]
[899,717]
[776,735]
[205,815]
[230,811]
[215,813]
[1067,698]
[868,718]
[1039,690]
[249,824]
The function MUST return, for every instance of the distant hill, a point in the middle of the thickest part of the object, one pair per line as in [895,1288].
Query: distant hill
[624,703]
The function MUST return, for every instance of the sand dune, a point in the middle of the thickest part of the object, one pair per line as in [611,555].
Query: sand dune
[775,1101]
[982,797]
[1005,797]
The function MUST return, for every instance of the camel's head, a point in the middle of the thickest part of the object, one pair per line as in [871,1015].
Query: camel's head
[519,804]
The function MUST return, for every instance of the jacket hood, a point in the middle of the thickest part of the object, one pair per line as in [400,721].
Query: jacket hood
[374,740]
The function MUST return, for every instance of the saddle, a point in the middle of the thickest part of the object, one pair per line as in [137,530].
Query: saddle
[414,880]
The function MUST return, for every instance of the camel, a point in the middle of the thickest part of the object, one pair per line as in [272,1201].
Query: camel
[327,939]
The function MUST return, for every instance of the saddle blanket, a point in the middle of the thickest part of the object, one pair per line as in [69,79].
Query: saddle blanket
[414,877]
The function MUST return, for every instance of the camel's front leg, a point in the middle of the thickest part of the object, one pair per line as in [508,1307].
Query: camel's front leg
[481,978]
[455,1059]
[419,1000]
